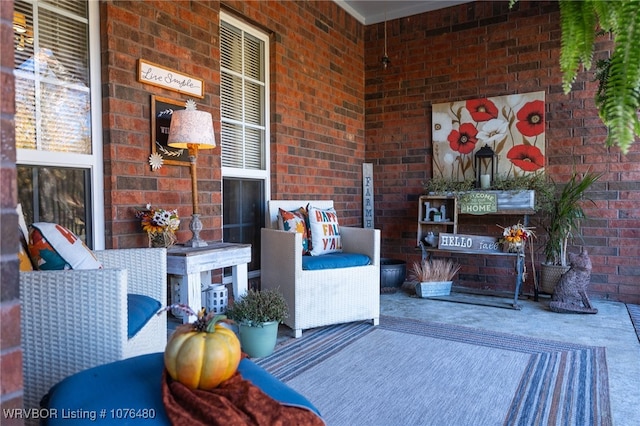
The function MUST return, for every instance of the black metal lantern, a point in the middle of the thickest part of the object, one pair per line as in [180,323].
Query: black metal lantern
[485,167]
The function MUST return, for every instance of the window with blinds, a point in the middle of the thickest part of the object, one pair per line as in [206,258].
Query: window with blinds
[242,93]
[243,140]
[58,159]
[52,76]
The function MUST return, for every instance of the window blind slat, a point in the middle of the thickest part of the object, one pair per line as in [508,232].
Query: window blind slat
[61,35]
[74,6]
[253,58]
[231,150]
[231,48]
[231,97]
[253,103]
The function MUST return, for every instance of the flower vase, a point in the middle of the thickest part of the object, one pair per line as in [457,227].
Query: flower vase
[513,247]
[162,239]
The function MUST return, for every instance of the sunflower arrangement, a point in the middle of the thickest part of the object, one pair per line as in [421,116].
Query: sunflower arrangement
[515,237]
[160,225]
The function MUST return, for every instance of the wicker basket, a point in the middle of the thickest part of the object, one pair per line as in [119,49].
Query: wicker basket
[549,277]
[433,288]
[162,239]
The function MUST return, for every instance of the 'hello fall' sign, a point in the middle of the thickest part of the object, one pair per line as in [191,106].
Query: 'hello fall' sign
[468,243]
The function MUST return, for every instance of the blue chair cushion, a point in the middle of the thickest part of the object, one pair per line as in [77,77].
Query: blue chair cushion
[334,260]
[140,309]
[129,392]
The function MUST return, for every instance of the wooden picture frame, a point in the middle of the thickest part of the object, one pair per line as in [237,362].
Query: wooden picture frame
[161,111]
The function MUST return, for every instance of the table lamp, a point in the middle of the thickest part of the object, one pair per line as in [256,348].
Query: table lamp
[193,130]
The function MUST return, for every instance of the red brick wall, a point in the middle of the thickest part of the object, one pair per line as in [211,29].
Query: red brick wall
[182,36]
[483,49]
[317,106]
[10,352]
[317,101]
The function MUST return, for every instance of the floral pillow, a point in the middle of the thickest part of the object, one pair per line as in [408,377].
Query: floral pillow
[23,256]
[23,248]
[295,221]
[325,231]
[54,247]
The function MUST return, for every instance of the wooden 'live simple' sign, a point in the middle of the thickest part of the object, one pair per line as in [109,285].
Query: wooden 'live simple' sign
[461,242]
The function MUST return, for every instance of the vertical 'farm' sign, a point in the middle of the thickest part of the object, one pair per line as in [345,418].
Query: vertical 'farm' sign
[367,195]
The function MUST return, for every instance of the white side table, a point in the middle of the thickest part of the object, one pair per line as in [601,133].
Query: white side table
[193,265]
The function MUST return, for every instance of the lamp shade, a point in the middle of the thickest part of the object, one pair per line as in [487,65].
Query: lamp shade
[191,127]
[19,22]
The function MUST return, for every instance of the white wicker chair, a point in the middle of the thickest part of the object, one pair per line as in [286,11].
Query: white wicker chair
[74,320]
[320,297]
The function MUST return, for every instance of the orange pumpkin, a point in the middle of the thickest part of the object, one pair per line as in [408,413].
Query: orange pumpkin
[202,357]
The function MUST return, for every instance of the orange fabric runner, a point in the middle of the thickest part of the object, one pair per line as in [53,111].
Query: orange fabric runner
[235,402]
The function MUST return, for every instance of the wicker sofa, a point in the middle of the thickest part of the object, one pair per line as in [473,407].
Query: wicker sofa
[77,319]
[320,297]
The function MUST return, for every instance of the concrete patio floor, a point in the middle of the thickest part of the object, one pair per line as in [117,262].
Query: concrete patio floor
[611,328]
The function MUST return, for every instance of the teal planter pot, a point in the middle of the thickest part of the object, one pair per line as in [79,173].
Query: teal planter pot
[258,342]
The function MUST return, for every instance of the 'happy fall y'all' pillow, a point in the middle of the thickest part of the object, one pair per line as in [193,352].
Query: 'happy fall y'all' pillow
[325,231]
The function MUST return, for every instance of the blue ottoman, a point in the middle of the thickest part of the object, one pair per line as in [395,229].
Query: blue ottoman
[128,392]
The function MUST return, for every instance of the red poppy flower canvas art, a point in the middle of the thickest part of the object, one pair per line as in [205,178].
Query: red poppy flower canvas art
[463,140]
[531,118]
[513,126]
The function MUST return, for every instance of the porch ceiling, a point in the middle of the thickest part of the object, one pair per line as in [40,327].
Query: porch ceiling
[374,11]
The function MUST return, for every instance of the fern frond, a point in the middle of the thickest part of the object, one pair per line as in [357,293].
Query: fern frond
[602,76]
[608,14]
[578,21]
[621,101]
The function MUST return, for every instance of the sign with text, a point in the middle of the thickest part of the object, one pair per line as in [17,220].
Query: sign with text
[161,112]
[461,242]
[160,76]
[367,195]
[475,202]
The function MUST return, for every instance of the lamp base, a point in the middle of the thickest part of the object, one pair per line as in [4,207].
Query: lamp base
[195,226]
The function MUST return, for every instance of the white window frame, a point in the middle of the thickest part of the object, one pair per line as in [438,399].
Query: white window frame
[91,162]
[264,174]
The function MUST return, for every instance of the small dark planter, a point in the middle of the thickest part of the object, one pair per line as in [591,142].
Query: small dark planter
[392,273]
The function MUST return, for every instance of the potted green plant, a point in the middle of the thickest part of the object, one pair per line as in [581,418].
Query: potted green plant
[258,315]
[434,276]
[444,186]
[561,223]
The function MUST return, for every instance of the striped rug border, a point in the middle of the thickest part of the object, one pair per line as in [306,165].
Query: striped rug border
[564,383]
[634,314]
[298,355]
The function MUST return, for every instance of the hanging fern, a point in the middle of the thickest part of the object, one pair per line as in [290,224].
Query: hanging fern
[577,23]
[618,97]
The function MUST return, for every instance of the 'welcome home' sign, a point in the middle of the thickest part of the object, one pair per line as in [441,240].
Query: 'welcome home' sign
[476,202]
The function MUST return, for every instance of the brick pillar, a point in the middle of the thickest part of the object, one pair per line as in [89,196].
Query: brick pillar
[10,352]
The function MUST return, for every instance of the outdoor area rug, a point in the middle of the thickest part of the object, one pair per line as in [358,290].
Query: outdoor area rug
[412,372]
[634,313]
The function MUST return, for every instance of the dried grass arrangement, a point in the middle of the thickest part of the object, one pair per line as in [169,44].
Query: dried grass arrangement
[434,270]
